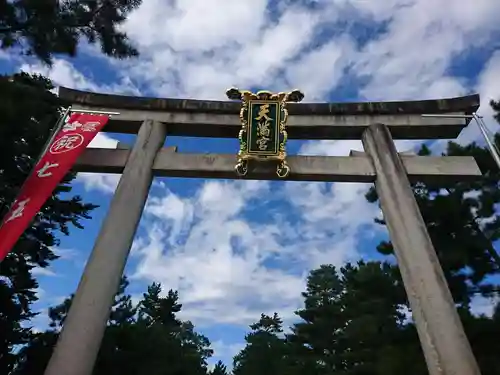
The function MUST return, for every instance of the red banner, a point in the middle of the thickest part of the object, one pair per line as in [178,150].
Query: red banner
[62,153]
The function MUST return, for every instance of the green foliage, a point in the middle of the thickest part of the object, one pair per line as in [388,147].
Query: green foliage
[49,27]
[353,323]
[143,339]
[265,352]
[496,107]
[219,369]
[351,317]
[29,112]
[463,224]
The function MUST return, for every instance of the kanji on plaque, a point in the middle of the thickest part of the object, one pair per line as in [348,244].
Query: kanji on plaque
[69,142]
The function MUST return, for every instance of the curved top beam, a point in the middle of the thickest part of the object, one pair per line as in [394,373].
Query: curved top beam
[466,104]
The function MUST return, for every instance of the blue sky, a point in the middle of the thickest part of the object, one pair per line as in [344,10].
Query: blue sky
[235,249]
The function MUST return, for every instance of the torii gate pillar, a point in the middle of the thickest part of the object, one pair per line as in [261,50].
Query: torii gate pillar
[445,346]
[80,338]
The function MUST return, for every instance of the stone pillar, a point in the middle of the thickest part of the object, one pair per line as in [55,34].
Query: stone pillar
[80,338]
[445,346]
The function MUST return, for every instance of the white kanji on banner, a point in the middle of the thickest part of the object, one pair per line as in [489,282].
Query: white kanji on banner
[18,210]
[90,126]
[44,171]
[66,143]
[71,126]
[86,126]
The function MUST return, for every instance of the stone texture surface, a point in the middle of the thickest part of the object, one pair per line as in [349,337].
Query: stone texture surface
[81,336]
[402,126]
[460,104]
[357,168]
[444,343]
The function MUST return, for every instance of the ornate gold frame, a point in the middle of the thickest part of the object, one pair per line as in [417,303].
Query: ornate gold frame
[282,98]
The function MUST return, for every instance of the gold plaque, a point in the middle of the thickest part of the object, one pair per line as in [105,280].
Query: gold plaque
[263,133]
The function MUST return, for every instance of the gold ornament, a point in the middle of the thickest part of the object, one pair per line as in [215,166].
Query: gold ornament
[263,133]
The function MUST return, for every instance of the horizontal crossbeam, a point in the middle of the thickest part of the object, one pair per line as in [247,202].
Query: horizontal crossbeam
[409,126]
[219,119]
[169,163]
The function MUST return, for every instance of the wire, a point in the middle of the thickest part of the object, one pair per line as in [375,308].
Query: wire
[495,153]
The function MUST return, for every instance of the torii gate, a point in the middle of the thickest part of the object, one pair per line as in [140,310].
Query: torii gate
[445,346]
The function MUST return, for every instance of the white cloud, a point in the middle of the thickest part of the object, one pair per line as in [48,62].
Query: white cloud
[64,73]
[412,58]
[6,56]
[186,54]
[102,140]
[328,61]
[484,306]
[195,24]
[39,271]
[229,268]
[102,182]
[40,293]
[489,87]
[64,253]
[226,351]
[226,267]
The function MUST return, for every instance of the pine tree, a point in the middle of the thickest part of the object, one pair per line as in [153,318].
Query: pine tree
[463,224]
[496,107]
[219,369]
[352,323]
[316,337]
[266,350]
[49,27]
[34,357]
[29,112]
[144,339]
[172,346]
[155,309]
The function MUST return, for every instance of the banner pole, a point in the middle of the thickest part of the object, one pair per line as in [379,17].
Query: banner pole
[59,125]
[56,129]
